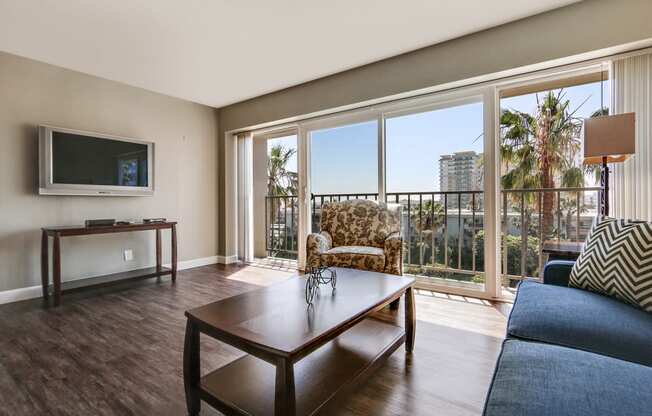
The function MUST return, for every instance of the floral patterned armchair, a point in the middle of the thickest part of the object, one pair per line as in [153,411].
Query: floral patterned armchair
[359,234]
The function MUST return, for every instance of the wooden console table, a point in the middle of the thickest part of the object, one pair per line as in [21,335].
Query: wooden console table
[562,250]
[68,231]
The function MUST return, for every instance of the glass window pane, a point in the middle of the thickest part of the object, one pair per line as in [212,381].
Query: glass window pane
[344,165]
[276,209]
[434,169]
[344,160]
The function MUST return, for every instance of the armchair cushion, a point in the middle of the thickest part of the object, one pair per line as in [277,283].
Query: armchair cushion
[360,222]
[358,257]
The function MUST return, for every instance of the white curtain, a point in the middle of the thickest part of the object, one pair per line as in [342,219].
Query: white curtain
[631,182]
[245,197]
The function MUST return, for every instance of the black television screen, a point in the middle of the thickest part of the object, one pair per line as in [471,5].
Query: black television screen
[86,160]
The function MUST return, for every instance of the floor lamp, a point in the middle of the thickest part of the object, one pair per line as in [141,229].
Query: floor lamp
[608,139]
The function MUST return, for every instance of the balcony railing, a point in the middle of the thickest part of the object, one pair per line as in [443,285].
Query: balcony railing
[570,217]
[281,226]
[443,231]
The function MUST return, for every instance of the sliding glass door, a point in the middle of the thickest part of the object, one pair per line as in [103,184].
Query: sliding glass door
[434,169]
[429,156]
[275,196]
[544,204]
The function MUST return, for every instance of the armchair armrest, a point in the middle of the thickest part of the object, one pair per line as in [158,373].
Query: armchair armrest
[316,245]
[394,254]
[557,272]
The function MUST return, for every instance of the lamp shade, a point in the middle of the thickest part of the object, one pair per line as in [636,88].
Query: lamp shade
[612,137]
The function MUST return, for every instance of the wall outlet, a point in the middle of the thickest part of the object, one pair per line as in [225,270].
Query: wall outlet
[128,255]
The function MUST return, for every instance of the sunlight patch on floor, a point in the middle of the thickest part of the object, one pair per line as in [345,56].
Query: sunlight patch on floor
[461,312]
[273,263]
[262,276]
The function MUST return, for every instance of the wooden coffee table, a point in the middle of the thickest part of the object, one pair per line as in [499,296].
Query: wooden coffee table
[300,357]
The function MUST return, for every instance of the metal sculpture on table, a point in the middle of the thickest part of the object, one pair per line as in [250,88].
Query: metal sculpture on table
[319,276]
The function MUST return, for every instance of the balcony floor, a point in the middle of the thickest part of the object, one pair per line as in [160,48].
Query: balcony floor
[118,351]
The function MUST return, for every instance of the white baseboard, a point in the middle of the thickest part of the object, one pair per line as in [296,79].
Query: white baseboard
[189,264]
[24,293]
[227,259]
[32,292]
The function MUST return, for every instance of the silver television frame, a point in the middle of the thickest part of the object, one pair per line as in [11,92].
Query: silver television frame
[48,187]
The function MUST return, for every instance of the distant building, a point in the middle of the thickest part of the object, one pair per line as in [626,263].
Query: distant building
[460,171]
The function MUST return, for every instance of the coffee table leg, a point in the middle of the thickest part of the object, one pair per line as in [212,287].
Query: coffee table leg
[410,320]
[285,399]
[191,368]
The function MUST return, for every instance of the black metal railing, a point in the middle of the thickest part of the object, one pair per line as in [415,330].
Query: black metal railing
[281,226]
[568,217]
[446,223]
[443,231]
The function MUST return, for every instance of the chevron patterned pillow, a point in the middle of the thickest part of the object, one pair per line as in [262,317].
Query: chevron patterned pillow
[617,261]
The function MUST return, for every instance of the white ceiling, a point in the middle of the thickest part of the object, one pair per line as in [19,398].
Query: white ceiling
[218,52]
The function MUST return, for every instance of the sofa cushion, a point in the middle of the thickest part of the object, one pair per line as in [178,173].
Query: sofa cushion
[537,379]
[581,319]
[617,261]
[358,257]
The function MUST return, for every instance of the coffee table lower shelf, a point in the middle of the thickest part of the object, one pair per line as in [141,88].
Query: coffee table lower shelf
[246,386]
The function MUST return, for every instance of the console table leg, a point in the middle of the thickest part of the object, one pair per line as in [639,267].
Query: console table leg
[410,320]
[158,250]
[285,398]
[56,269]
[45,265]
[191,369]
[174,252]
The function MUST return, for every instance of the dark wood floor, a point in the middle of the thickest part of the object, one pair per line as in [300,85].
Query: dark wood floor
[118,352]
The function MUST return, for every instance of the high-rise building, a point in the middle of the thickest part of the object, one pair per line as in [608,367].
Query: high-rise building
[460,171]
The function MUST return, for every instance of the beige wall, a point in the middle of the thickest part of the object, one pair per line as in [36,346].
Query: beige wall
[579,28]
[185,164]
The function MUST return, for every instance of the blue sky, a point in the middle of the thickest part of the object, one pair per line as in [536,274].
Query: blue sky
[344,159]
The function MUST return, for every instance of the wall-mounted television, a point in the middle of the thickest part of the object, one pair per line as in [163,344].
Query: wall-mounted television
[74,162]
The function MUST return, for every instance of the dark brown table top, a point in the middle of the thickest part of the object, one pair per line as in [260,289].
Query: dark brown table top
[83,230]
[278,318]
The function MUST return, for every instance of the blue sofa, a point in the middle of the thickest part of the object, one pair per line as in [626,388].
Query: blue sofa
[572,352]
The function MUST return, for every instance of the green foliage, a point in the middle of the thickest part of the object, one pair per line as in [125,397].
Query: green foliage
[538,149]
[426,221]
[514,255]
[280,181]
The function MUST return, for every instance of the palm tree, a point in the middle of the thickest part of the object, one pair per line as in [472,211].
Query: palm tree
[541,149]
[426,219]
[280,181]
